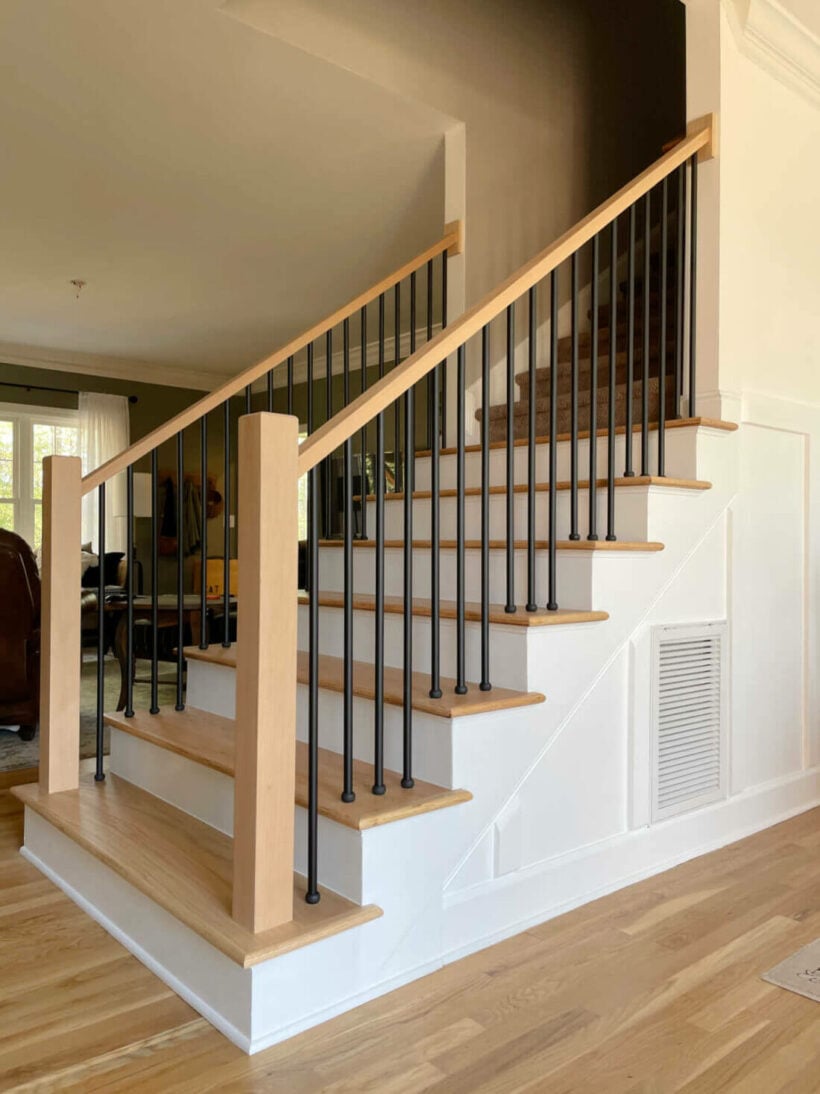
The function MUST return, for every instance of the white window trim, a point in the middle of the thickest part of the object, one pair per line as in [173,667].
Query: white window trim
[23,418]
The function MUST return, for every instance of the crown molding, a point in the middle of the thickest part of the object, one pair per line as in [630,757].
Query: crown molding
[770,35]
[116,368]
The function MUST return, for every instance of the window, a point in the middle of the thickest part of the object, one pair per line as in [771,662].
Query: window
[27,435]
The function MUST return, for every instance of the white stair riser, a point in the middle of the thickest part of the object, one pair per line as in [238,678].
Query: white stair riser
[508,645]
[681,460]
[207,794]
[212,688]
[574,574]
[631,517]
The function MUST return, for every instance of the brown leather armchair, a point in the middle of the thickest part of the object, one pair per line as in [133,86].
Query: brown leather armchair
[19,635]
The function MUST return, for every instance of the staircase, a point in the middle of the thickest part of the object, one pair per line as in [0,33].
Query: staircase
[297,834]
[625,367]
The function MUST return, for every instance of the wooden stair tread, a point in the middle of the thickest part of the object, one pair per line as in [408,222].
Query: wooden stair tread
[500,544]
[543,487]
[183,865]
[331,678]
[209,739]
[422,606]
[674,423]
[195,734]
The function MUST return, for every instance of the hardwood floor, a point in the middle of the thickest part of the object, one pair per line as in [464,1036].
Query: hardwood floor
[655,988]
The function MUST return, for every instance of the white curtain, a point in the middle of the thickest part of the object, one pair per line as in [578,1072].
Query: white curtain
[104,433]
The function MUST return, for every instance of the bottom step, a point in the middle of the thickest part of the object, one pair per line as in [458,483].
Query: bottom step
[183,865]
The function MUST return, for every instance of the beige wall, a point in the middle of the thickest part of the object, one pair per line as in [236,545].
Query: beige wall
[769,233]
[562,102]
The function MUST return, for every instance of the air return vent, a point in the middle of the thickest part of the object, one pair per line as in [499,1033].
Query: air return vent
[689,717]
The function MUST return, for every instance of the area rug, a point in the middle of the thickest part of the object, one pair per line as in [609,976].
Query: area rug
[799,973]
[16,754]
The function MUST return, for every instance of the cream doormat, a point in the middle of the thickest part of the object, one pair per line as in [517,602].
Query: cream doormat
[800,972]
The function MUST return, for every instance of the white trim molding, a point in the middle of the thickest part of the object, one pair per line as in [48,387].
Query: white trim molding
[778,41]
[117,368]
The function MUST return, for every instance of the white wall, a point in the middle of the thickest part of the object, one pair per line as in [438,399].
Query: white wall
[769,232]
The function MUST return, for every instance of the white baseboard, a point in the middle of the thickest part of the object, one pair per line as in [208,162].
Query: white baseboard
[551,888]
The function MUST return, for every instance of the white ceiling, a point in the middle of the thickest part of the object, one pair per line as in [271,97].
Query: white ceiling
[217,189]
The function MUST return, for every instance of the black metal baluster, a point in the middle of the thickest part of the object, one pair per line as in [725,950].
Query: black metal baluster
[552,598]
[630,346]
[461,660]
[347,790]
[129,593]
[573,444]
[429,336]
[443,384]
[378,709]
[180,705]
[693,282]
[226,534]
[613,378]
[593,396]
[647,240]
[398,476]
[407,780]
[154,709]
[248,394]
[531,348]
[363,485]
[328,463]
[270,391]
[680,286]
[509,606]
[99,773]
[203,538]
[485,684]
[435,537]
[290,385]
[662,354]
[312,894]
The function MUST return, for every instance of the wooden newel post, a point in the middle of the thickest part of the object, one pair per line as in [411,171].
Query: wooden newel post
[60,649]
[265,777]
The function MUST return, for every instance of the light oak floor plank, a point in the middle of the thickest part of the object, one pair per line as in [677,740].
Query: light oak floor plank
[654,988]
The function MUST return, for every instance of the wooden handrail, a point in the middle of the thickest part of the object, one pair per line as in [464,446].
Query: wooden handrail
[451,241]
[328,437]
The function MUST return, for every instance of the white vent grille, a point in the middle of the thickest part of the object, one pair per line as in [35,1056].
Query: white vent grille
[689,708]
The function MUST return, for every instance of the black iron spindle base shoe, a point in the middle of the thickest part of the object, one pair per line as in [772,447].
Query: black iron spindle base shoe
[179,706]
[532,608]
[611,537]
[348,796]
[99,776]
[552,606]
[460,689]
[379,789]
[574,536]
[485,685]
[312,898]
[510,609]
[435,693]
[153,710]
[592,537]
[408,783]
